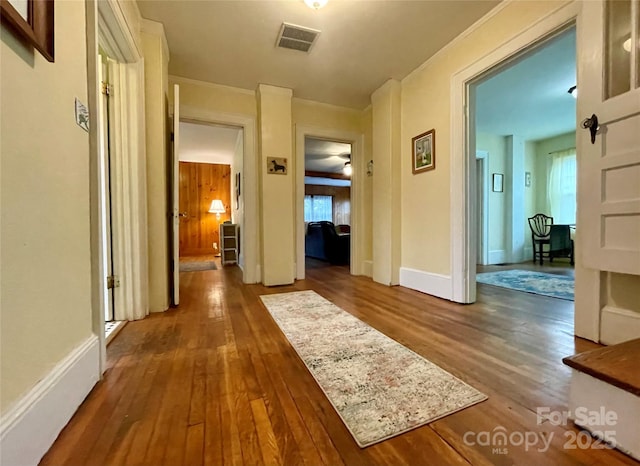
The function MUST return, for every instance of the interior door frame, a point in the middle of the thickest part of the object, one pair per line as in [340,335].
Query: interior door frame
[357,193]
[107,28]
[463,182]
[249,238]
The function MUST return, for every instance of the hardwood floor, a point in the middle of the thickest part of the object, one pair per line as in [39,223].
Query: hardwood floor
[216,382]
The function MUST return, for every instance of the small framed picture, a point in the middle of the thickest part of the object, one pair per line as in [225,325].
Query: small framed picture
[498,179]
[276,166]
[424,152]
[238,181]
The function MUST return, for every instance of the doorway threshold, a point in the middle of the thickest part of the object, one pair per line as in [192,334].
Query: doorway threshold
[112,328]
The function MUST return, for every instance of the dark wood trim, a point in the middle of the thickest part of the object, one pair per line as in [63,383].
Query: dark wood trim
[38,30]
[334,176]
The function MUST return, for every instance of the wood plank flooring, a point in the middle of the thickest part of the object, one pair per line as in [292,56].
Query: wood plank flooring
[215,381]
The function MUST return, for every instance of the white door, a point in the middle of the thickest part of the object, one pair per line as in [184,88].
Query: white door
[609,185]
[104,143]
[175,186]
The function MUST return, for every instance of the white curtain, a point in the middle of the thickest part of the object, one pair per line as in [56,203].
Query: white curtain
[562,186]
[318,208]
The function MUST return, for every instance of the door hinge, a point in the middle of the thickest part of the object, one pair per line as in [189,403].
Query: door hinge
[107,89]
[113,281]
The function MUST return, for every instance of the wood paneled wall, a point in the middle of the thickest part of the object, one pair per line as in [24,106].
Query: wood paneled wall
[200,183]
[341,200]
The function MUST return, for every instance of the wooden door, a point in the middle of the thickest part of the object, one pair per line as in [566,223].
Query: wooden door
[201,183]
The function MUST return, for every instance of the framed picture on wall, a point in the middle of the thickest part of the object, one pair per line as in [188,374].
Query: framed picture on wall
[238,178]
[32,22]
[424,152]
[498,180]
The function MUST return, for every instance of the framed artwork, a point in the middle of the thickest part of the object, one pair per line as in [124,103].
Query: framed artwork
[32,22]
[424,152]
[276,166]
[498,180]
[238,178]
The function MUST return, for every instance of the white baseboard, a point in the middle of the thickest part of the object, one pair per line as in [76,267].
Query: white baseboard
[618,325]
[31,426]
[498,256]
[430,283]
[367,268]
[593,395]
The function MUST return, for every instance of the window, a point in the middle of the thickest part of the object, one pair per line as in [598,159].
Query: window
[318,208]
[562,187]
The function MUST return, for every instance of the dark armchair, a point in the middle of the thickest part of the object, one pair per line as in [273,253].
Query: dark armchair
[540,225]
[325,243]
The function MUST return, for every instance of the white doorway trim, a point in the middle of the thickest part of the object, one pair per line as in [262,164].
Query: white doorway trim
[357,195]
[483,221]
[251,273]
[107,27]
[463,147]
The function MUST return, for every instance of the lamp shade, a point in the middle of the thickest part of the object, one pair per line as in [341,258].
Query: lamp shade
[217,207]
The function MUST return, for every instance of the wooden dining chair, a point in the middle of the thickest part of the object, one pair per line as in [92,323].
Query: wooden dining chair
[540,225]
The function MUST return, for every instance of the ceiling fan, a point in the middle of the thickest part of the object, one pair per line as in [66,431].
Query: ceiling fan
[347,169]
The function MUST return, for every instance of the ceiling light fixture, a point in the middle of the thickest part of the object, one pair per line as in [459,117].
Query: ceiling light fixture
[573,90]
[316,4]
[347,170]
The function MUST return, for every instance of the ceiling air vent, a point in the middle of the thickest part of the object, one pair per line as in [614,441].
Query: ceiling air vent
[296,37]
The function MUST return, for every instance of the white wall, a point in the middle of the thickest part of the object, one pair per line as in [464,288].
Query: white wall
[496,147]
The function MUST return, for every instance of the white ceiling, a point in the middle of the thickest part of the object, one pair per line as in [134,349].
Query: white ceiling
[361,45]
[529,98]
[325,156]
[207,143]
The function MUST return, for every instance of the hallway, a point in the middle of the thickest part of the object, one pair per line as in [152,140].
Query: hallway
[215,381]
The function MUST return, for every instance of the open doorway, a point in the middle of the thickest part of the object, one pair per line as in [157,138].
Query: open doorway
[327,202]
[211,213]
[524,140]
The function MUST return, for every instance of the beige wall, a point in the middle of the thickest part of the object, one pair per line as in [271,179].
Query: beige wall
[156,101]
[623,291]
[367,217]
[385,103]
[276,194]
[426,104]
[319,115]
[210,97]
[214,97]
[45,266]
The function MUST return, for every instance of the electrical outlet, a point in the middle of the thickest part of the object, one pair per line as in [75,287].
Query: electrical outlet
[215,245]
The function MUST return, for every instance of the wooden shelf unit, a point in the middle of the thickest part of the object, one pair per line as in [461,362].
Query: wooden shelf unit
[229,243]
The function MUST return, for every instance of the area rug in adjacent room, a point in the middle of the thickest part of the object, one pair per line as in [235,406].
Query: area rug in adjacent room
[196,266]
[378,387]
[546,284]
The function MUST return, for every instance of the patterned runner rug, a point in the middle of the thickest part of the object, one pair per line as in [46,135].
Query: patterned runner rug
[379,388]
[546,284]
[197,266]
